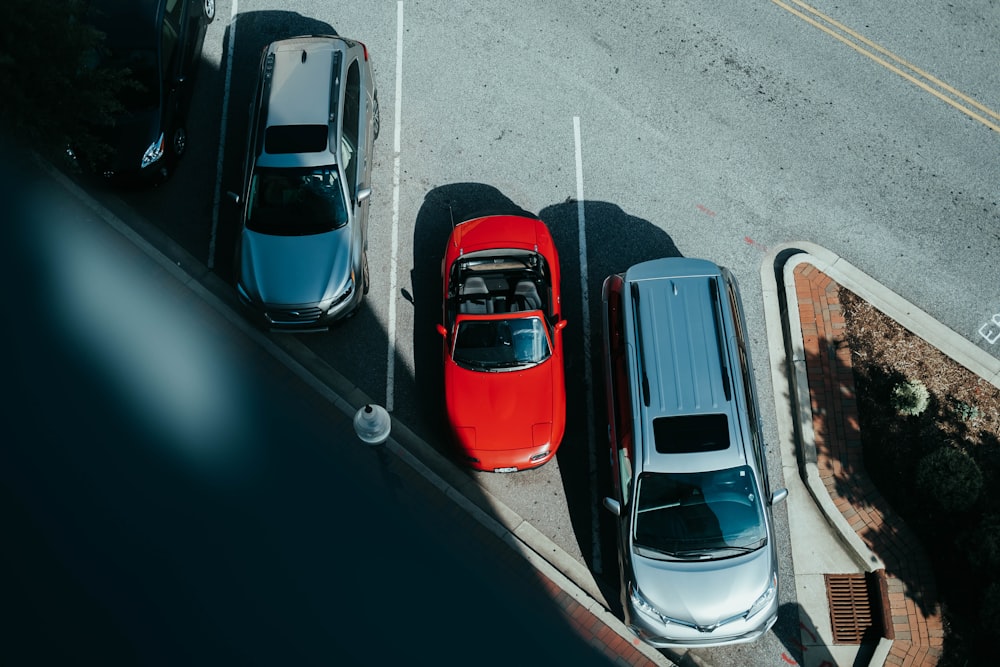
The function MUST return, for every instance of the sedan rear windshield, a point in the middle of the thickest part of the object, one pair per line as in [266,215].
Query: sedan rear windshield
[495,344]
[701,515]
[292,202]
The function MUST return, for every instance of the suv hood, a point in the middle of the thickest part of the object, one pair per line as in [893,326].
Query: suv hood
[295,270]
[704,592]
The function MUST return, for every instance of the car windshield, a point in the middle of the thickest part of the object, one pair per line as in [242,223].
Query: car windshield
[700,515]
[294,202]
[493,344]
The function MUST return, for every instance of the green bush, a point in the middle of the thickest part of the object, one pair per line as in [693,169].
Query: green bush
[950,478]
[910,398]
[964,411]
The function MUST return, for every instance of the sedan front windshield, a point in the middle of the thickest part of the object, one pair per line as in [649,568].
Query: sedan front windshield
[491,344]
[294,202]
[699,515]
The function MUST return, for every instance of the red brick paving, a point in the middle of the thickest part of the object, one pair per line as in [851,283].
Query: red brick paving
[917,626]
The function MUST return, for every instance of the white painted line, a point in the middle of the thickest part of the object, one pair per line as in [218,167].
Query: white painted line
[390,375]
[595,525]
[222,134]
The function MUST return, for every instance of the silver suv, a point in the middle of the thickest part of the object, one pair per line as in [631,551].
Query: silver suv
[302,258]
[691,492]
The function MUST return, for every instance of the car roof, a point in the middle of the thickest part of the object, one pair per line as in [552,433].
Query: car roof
[687,369]
[303,70]
[302,98]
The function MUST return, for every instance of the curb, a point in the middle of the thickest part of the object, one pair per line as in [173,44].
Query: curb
[788,367]
[866,559]
[779,308]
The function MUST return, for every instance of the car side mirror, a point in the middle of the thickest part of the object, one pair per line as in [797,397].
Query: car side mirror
[441,330]
[560,325]
[779,495]
[613,506]
[363,194]
[235,198]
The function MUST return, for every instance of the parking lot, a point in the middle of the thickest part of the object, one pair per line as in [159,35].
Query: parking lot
[635,132]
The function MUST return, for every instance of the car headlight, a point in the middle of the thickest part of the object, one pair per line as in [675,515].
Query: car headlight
[343,296]
[242,292]
[765,599]
[645,606]
[153,153]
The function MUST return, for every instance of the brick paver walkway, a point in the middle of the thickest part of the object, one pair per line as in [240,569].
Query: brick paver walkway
[915,618]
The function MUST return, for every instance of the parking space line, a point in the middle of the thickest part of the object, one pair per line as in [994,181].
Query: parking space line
[217,197]
[390,376]
[587,374]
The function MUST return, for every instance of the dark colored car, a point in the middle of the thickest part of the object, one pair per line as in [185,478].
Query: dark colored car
[160,43]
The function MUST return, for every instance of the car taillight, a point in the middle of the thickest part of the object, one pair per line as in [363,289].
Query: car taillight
[364,48]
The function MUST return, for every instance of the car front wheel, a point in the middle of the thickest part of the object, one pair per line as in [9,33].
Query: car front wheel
[179,141]
[376,116]
[209,10]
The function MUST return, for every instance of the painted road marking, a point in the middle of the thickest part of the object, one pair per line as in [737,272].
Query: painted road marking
[390,376]
[911,73]
[991,330]
[587,375]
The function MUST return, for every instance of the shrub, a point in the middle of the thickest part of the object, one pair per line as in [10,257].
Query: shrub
[910,398]
[964,411]
[951,478]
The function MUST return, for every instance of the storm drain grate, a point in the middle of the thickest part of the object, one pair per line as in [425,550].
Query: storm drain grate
[851,610]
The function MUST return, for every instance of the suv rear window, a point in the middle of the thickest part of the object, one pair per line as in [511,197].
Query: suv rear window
[689,434]
[295,139]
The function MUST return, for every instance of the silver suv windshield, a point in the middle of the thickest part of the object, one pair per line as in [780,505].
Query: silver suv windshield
[294,202]
[496,344]
[702,515]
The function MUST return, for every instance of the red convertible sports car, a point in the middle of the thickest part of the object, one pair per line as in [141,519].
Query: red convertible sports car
[505,390]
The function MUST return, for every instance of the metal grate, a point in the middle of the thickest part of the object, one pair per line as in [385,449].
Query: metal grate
[851,613]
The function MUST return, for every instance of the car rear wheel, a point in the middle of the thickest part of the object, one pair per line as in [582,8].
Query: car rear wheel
[366,283]
[376,117]
[209,9]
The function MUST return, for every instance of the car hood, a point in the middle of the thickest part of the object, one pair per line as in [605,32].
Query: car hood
[704,592]
[504,407]
[295,270]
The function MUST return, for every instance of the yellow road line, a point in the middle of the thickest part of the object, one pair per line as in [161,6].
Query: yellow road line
[911,75]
